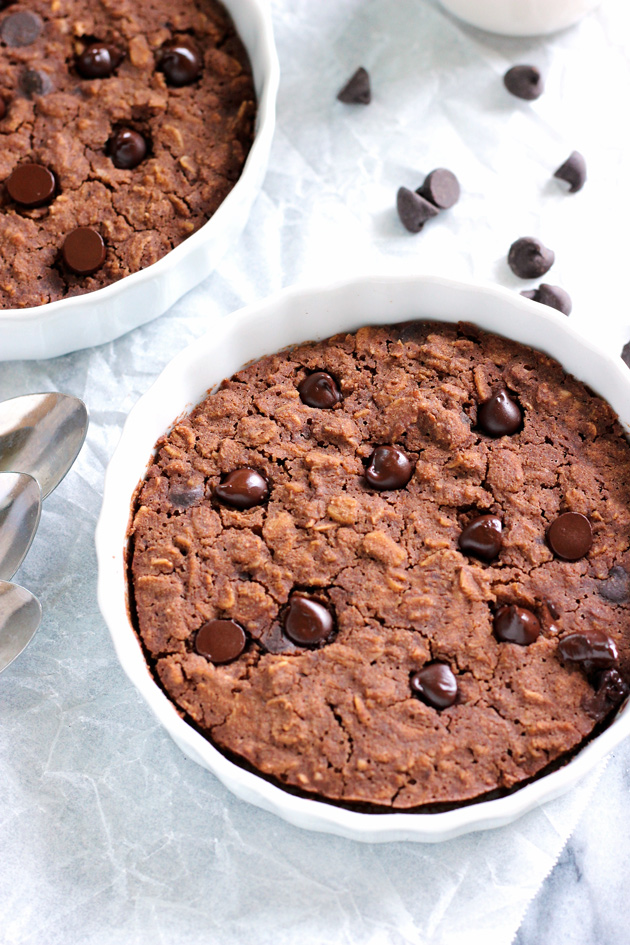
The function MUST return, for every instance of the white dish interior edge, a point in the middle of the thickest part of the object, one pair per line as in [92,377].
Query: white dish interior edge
[296,315]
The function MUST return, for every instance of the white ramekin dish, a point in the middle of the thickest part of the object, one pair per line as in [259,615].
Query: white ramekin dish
[297,315]
[46,331]
[520,17]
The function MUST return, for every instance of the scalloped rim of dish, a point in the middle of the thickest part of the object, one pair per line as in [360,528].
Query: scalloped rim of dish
[71,313]
[249,333]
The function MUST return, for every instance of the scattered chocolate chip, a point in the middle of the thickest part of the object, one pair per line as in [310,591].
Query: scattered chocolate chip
[32,82]
[357,89]
[3,108]
[500,415]
[436,685]
[184,496]
[127,148]
[413,210]
[307,621]
[570,536]
[513,624]
[529,259]
[83,250]
[98,60]
[611,690]
[616,587]
[389,468]
[551,295]
[242,489]
[524,82]
[180,63]
[21,28]
[593,648]
[482,537]
[319,390]
[220,641]
[625,353]
[573,171]
[31,185]
[440,188]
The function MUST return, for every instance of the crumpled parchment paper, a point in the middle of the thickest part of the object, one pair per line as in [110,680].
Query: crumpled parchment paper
[108,834]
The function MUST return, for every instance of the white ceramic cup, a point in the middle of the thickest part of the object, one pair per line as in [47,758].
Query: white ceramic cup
[520,17]
[46,331]
[294,316]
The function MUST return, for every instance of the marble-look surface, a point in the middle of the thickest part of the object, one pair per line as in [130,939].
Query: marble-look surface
[108,834]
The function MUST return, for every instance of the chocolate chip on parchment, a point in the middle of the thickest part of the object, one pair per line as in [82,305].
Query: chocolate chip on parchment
[83,250]
[573,171]
[551,295]
[414,210]
[524,82]
[319,390]
[500,415]
[220,641]
[570,536]
[31,185]
[180,62]
[307,621]
[482,537]
[22,28]
[441,188]
[514,624]
[435,684]
[529,259]
[389,468]
[242,488]
[357,89]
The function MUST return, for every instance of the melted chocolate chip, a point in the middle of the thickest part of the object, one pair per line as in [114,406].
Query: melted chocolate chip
[573,171]
[319,390]
[3,108]
[529,259]
[98,61]
[307,622]
[127,148]
[242,489]
[389,468]
[436,685]
[31,185]
[220,641]
[441,188]
[180,63]
[22,28]
[616,587]
[500,415]
[32,82]
[593,648]
[184,496]
[611,690]
[551,295]
[413,210]
[482,537]
[83,250]
[357,89]
[513,624]
[570,536]
[524,82]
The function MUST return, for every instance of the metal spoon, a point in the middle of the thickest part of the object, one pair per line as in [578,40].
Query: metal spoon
[20,508]
[42,434]
[20,616]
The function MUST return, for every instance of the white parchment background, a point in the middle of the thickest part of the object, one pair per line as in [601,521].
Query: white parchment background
[108,834]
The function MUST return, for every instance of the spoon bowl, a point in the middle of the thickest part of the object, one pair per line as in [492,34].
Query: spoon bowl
[20,617]
[20,508]
[41,434]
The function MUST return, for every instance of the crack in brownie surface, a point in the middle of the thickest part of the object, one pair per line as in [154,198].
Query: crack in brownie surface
[88,92]
[415,697]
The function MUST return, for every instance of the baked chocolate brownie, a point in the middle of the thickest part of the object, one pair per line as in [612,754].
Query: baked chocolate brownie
[391,568]
[124,124]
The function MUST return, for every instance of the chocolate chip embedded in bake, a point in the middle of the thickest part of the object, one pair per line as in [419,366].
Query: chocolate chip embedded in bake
[139,115]
[354,572]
